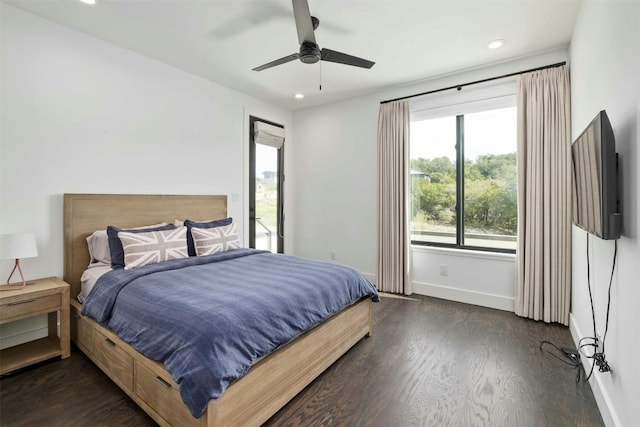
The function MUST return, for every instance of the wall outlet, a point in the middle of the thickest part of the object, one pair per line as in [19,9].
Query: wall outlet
[443,270]
[332,254]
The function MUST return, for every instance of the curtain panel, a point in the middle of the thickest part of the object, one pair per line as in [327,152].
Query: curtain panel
[543,288]
[393,240]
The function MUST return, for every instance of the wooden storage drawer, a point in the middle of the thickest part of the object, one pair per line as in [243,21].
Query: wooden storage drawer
[160,392]
[30,306]
[114,360]
[81,332]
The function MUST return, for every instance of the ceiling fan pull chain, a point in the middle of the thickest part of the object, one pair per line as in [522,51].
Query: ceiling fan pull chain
[320,64]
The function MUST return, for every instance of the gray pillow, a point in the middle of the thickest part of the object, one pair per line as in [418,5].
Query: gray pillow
[206,224]
[153,246]
[209,241]
[115,246]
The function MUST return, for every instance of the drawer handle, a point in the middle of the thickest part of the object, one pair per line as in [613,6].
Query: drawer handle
[21,302]
[111,343]
[163,382]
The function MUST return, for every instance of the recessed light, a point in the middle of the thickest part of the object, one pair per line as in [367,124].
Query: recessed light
[299,96]
[88,1]
[496,44]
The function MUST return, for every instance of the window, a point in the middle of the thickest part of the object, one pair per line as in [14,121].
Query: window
[266,177]
[463,175]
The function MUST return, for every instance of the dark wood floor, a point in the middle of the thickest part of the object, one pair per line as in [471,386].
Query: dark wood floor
[429,362]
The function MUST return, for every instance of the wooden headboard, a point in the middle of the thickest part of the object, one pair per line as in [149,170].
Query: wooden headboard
[85,213]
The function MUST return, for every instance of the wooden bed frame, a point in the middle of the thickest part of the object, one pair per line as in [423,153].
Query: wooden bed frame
[251,400]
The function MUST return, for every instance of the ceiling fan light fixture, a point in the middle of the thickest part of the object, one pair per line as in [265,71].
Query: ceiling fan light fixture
[298,96]
[89,2]
[496,44]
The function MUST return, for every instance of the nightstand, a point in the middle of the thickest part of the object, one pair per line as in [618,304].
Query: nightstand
[43,296]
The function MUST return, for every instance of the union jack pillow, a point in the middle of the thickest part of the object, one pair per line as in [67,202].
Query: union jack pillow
[209,241]
[154,246]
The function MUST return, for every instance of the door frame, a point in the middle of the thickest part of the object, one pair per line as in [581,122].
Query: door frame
[252,187]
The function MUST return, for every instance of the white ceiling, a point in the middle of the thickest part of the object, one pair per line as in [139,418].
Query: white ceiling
[222,40]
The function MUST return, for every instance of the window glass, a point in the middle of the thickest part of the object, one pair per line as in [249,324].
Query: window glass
[266,196]
[490,196]
[433,180]
[482,190]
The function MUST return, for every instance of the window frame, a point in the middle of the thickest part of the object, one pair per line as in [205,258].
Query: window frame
[501,95]
[252,187]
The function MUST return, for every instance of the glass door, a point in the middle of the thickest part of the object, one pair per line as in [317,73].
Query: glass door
[266,185]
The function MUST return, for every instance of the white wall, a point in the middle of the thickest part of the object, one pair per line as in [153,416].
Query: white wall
[82,115]
[605,73]
[335,182]
[335,194]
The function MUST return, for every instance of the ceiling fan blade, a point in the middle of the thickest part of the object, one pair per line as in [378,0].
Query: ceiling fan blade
[280,61]
[343,58]
[303,21]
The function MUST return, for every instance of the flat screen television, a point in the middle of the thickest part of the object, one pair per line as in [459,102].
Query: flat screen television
[595,180]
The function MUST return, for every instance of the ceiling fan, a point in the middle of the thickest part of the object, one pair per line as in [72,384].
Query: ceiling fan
[310,53]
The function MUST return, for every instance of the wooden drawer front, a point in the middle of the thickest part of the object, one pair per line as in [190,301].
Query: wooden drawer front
[114,361]
[30,306]
[163,395]
[81,332]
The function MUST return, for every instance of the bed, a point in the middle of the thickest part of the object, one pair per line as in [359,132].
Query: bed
[250,400]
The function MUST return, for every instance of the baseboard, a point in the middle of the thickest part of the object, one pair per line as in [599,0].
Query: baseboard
[603,401]
[464,295]
[23,337]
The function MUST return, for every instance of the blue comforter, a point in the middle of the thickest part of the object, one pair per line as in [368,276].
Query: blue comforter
[210,318]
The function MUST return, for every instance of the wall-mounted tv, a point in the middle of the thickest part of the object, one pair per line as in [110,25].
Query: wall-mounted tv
[595,180]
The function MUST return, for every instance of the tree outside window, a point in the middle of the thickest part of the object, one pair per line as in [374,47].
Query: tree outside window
[463,180]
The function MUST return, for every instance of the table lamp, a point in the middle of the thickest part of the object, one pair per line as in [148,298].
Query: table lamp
[17,246]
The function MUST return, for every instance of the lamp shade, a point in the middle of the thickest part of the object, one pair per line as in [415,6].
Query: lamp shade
[18,246]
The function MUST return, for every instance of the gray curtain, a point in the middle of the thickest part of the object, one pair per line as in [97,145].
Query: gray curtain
[393,215]
[543,288]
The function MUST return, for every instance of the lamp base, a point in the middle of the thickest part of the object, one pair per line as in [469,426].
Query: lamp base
[17,285]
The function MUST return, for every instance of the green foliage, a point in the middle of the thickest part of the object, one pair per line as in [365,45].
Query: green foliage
[490,193]
[267,211]
[436,200]
[438,170]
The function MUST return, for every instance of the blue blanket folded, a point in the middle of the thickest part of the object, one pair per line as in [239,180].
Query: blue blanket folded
[210,318]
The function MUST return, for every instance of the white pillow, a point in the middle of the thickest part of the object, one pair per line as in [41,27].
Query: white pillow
[209,241]
[154,246]
[98,243]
